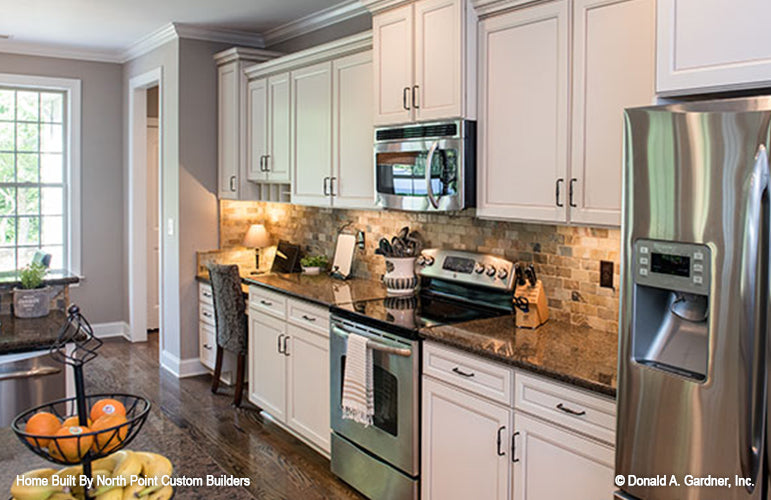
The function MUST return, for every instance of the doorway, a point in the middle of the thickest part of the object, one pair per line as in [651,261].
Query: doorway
[153,215]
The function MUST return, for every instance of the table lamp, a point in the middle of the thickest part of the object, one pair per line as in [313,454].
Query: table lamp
[257,238]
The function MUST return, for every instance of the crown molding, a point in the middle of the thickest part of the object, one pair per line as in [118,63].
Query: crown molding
[317,20]
[59,51]
[150,42]
[245,54]
[377,6]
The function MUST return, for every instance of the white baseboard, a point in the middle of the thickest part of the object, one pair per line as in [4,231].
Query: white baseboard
[182,368]
[111,330]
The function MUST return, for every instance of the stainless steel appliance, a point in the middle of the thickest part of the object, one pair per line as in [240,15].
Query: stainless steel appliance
[383,461]
[26,380]
[401,154]
[693,374]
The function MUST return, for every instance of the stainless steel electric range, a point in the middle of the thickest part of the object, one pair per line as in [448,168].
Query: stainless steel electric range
[382,461]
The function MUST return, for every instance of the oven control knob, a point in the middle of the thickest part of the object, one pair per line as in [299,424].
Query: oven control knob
[428,260]
[421,261]
[503,274]
[491,271]
[479,268]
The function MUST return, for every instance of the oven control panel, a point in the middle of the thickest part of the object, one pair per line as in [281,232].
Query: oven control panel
[467,267]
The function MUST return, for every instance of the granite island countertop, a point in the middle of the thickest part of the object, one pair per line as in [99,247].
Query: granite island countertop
[320,289]
[580,356]
[29,334]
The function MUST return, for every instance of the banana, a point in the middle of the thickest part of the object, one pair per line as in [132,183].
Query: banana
[131,492]
[107,462]
[154,465]
[75,471]
[128,464]
[164,493]
[112,494]
[23,492]
[61,496]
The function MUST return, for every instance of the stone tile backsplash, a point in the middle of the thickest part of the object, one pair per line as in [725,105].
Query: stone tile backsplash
[567,258]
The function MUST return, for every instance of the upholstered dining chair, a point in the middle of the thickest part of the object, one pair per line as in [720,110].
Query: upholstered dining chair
[230,320]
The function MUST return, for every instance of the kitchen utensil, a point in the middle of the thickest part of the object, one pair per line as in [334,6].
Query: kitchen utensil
[402,234]
[530,275]
[399,248]
[415,237]
[343,261]
[385,247]
[519,276]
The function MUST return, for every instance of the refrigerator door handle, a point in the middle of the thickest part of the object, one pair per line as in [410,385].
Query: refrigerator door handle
[754,295]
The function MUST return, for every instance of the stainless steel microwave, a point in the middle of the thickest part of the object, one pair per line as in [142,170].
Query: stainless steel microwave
[426,167]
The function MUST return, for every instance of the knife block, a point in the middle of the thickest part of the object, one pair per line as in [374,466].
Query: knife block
[539,307]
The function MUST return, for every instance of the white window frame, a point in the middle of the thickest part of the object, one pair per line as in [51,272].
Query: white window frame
[72,161]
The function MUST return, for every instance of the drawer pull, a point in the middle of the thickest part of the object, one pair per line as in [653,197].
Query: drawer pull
[462,373]
[308,318]
[207,347]
[208,315]
[571,411]
[207,294]
[500,429]
[266,303]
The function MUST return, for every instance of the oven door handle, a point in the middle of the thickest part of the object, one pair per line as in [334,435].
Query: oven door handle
[429,161]
[377,346]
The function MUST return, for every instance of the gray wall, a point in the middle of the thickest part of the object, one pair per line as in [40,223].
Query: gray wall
[324,35]
[102,296]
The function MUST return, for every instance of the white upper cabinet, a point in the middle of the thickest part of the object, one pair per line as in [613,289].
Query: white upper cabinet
[422,67]
[523,122]
[613,69]
[711,45]
[393,52]
[257,127]
[277,161]
[312,134]
[353,182]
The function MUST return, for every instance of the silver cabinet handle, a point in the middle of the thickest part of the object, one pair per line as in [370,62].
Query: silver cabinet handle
[332,181]
[262,163]
[232,182]
[500,429]
[514,447]
[570,193]
[405,98]
[557,193]
[267,166]
[208,315]
[326,188]
[415,89]
[429,161]
[207,347]
[207,294]
[569,411]
[266,303]
[462,373]
[309,318]
[278,343]
[286,338]
[37,372]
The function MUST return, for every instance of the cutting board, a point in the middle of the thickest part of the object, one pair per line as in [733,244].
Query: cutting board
[346,245]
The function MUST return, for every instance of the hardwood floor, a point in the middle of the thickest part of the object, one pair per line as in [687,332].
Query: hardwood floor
[241,441]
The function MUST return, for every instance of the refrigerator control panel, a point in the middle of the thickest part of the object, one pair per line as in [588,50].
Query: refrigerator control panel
[683,267]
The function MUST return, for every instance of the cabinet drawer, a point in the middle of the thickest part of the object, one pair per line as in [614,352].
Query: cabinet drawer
[575,409]
[208,345]
[308,316]
[205,293]
[469,372]
[266,301]
[206,313]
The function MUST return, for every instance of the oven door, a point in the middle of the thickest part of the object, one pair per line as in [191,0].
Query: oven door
[395,433]
[402,181]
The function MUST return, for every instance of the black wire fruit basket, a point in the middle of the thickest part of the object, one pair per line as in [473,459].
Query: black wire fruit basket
[75,346]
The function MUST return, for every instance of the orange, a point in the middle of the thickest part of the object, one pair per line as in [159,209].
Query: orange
[107,407]
[73,421]
[71,442]
[42,424]
[109,439]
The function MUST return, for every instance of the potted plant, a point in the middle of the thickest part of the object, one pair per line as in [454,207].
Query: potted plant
[313,264]
[32,299]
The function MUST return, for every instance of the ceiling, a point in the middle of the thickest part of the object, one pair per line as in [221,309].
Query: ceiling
[111,26]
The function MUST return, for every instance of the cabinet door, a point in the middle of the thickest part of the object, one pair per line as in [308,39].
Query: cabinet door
[267,367]
[228,130]
[392,41]
[712,45]
[438,54]
[613,69]
[460,453]
[308,385]
[353,133]
[257,129]
[311,134]
[523,126]
[279,130]
[585,467]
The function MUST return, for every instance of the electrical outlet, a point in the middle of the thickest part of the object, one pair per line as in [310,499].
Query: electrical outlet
[606,274]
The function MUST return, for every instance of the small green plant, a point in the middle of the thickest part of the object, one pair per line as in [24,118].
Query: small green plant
[315,261]
[32,276]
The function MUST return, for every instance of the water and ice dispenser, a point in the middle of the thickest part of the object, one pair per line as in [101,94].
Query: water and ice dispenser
[670,323]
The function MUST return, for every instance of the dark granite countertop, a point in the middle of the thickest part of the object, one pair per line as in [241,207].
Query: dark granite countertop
[20,335]
[10,280]
[579,356]
[321,289]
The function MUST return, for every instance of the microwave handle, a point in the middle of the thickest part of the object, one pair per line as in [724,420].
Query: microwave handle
[429,161]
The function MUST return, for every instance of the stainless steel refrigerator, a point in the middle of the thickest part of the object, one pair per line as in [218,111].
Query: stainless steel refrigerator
[693,374]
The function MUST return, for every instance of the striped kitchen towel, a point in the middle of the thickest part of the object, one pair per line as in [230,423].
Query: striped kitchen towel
[358,394]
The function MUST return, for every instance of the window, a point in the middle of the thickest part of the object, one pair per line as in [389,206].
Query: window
[39,167]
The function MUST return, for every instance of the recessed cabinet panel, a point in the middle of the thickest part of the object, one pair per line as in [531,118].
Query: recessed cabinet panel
[228,131]
[312,134]
[607,78]
[267,366]
[277,163]
[523,127]
[257,128]
[392,34]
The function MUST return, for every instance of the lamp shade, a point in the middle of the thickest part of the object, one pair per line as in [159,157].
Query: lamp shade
[256,237]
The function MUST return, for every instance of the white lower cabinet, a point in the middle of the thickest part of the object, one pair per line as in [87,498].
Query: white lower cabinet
[289,364]
[462,457]
[479,443]
[583,468]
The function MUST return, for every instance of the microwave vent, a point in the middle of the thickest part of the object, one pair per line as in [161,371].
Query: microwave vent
[441,130]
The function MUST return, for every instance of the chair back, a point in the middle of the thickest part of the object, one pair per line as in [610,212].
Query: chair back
[229,307]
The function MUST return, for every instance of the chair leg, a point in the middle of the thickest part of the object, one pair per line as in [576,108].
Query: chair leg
[215,383]
[239,380]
